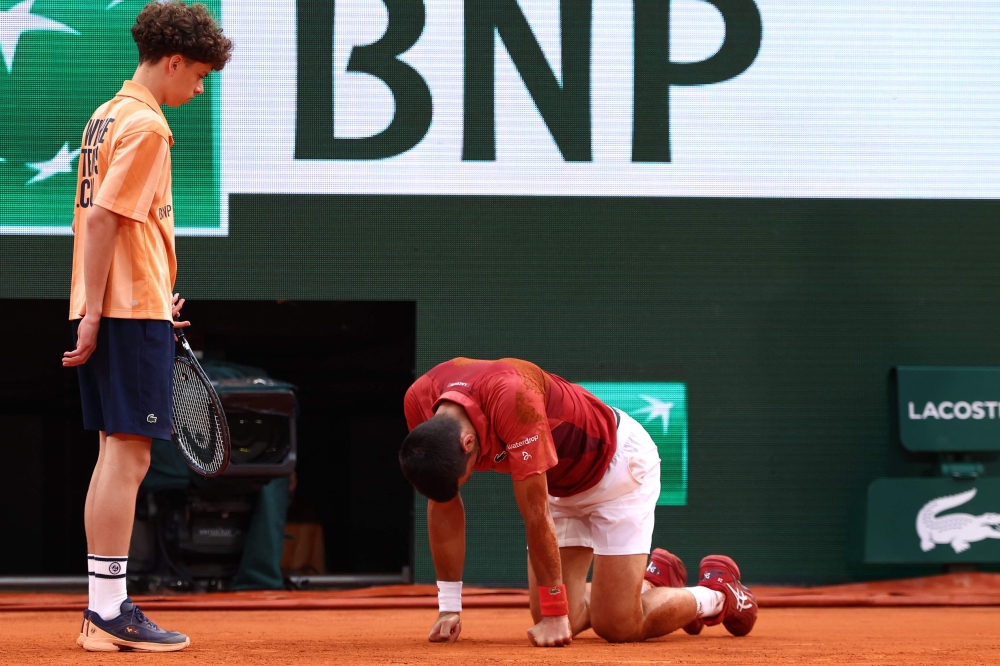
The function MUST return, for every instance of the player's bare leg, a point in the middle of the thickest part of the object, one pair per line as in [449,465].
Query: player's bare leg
[619,612]
[575,567]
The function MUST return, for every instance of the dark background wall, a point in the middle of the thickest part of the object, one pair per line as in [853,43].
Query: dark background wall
[784,318]
[351,364]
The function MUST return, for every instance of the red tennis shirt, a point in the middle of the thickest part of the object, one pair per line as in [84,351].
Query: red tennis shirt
[528,421]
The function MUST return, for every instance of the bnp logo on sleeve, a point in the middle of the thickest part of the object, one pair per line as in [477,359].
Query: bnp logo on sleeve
[661,408]
[61,60]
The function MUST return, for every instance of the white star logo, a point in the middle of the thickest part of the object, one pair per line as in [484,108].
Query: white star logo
[61,163]
[657,410]
[18,20]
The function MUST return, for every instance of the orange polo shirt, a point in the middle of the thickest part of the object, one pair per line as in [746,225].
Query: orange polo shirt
[124,167]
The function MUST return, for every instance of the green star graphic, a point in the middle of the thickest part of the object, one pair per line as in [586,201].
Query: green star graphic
[18,20]
[62,162]
[63,59]
[660,408]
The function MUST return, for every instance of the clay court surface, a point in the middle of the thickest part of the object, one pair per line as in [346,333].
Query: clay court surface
[944,635]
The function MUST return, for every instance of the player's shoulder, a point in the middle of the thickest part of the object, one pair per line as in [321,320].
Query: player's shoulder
[419,400]
[421,384]
[420,391]
[518,371]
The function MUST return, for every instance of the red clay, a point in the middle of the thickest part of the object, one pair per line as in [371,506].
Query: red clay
[829,636]
[968,589]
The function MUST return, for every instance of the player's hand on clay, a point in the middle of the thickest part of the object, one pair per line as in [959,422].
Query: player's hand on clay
[86,341]
[551,632]
[446,629]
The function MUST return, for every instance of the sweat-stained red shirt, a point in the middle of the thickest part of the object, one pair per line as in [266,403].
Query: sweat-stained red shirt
[528,421]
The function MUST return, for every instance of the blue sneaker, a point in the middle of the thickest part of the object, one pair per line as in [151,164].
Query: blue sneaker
[83,628]
[130,631]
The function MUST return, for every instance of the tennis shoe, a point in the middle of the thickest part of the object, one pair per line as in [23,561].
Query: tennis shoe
[739,613]
[667,570]
[83,628]
[131,631]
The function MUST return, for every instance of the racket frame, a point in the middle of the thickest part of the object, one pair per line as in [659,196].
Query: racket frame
[213,397]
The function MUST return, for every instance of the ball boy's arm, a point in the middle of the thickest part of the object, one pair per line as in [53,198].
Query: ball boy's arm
[446,532]
[98,251]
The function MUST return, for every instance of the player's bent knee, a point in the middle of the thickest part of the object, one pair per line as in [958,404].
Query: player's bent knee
[616,632]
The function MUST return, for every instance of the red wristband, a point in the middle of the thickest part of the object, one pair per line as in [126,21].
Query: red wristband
[553,601]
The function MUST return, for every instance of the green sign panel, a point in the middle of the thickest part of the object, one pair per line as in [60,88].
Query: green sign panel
[661,408]
[922,521]
[61,60]
[949,409]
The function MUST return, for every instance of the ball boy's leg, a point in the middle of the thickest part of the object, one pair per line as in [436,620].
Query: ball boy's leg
[115,622]
[122,465]
[126,459]
[88,520]
[88,507]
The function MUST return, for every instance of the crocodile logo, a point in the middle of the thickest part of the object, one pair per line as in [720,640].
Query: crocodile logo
[957,529]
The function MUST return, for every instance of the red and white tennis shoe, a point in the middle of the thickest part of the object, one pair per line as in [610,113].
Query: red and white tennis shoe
[739,613]
[667,570]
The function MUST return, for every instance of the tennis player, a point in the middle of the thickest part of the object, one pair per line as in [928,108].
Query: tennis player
[121,308]
[586,479]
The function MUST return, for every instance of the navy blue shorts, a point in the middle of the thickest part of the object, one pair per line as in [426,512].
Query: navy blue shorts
[127,384]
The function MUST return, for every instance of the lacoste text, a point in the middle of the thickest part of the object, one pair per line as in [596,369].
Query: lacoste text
[961,410]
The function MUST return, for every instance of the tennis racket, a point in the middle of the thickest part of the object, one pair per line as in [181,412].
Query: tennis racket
[201,432]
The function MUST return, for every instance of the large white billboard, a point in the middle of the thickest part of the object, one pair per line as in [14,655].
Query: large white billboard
[839,99]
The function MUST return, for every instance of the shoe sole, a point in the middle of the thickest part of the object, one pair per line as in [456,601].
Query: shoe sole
[673,561]
[101,641]
[82,638]
[720,562]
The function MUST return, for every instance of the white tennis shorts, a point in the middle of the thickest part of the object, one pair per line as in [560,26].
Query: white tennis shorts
[616,516]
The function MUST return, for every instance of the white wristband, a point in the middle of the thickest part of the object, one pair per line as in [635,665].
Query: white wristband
[449,596]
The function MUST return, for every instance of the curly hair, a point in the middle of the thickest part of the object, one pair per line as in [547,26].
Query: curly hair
[168,28]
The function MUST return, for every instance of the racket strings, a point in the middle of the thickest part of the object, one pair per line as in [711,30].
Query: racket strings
[197,425]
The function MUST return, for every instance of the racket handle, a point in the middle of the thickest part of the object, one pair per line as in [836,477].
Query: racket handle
[179,332]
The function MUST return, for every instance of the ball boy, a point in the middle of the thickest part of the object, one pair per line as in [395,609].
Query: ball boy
[121,308]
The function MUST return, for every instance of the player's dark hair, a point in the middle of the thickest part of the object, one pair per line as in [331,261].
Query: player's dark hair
[432,458]
[173,28]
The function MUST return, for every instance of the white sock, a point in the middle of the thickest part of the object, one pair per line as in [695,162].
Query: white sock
[710,602]
[109,585]
[90,582]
